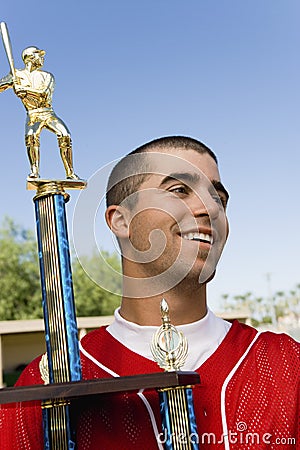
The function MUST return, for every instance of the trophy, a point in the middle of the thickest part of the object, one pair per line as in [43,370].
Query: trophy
[61,363]
[60,367]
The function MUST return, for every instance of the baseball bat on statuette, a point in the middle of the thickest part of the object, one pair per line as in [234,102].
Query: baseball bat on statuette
[169,349]
[8,48]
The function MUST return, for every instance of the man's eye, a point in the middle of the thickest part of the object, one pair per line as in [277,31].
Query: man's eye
[219,199]
[178,190]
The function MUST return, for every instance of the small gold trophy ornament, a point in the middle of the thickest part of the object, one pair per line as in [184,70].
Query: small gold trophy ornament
[169,346]
[35,89]
[169,349]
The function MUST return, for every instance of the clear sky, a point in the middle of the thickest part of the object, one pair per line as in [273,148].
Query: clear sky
[226,72]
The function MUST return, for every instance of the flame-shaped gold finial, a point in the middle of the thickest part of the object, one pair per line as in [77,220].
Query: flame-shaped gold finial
[169,346]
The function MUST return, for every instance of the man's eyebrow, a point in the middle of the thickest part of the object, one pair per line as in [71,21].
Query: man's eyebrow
[220,188]
[186,177]
[193,178]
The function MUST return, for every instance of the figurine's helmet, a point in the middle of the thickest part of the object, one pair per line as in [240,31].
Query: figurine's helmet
[31,51]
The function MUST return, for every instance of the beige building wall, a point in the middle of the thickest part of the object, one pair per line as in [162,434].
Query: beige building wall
[23,340]
[21,348]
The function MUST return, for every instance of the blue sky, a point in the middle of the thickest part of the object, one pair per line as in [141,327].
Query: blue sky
[226,72]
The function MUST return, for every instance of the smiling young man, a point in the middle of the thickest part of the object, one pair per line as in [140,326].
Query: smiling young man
[171,229]
[166,205]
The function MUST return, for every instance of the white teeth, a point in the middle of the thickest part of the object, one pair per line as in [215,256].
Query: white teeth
[198,237]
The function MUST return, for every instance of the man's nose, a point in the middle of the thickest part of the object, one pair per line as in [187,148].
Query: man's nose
[204,204]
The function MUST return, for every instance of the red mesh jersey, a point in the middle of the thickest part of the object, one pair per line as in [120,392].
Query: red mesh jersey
[248,398]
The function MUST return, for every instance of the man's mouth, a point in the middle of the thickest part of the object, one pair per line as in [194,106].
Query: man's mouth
[200,237]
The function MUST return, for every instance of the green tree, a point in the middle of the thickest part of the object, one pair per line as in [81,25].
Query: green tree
[20,287]
[20,291]
[90,298]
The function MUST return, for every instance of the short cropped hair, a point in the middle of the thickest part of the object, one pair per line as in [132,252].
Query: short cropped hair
[130,172]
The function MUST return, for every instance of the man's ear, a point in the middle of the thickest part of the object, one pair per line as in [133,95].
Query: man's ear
[117,218]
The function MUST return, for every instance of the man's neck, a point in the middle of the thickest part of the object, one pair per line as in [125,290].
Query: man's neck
[185,306]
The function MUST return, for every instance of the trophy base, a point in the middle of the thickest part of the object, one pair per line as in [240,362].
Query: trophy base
[35,184]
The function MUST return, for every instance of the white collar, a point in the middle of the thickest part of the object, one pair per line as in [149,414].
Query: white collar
[204,336]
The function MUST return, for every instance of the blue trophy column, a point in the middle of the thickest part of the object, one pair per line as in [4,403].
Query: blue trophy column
[59,311]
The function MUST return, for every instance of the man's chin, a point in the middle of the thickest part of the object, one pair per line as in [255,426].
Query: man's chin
[204,280]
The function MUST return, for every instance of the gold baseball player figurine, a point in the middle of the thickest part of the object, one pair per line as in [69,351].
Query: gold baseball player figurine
[35,89]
